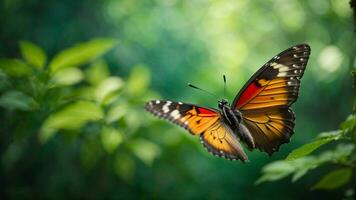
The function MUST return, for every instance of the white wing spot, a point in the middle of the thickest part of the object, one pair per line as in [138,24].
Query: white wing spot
[175,114]
[165,108]
[301,59]
[180,103]
[283,69]
[278,66]
[157,102]
[282,74]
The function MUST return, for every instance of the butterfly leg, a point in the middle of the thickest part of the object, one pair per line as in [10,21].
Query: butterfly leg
[245,135]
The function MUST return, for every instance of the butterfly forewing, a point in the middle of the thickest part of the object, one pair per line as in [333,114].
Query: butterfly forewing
[265,99]
[193,118]
[206,122]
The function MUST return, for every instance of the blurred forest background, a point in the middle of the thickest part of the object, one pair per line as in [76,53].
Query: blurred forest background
[75,76]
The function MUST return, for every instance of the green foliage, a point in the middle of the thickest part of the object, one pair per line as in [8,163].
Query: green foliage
[334,179]
[281,169]
[76,98]
[67,76]
[141,73]
[145,150]
[15,67]
[81,53]
[310,147]
[71,117]
[299,162]
[16,100]
[33,54]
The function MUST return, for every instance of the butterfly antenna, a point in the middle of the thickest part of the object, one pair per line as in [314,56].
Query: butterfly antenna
[224,77]
[198,88]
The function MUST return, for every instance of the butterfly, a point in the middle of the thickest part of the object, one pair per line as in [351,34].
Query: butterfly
[260,115]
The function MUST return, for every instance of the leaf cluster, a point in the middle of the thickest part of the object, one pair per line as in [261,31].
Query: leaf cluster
[73,97]
[336,153]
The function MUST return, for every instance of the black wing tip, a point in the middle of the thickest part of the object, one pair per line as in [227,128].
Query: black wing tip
[302,45]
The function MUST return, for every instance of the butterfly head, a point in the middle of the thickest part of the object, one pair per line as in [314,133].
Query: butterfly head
[222,103]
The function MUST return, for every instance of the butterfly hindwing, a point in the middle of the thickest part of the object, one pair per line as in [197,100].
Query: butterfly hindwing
[220,140]
[265,99]
[270,128]
[215,135]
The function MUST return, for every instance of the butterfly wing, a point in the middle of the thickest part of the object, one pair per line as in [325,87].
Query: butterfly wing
[265,99]
[220,140]
[215,135]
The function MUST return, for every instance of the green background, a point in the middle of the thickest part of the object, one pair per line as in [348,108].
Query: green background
[171,43]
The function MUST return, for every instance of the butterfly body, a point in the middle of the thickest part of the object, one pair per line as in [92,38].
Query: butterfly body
[260,115]
[233,118]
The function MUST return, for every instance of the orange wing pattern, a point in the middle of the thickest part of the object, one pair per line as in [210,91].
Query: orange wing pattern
[265,99]
[220,140]
[206,122]
[270,128]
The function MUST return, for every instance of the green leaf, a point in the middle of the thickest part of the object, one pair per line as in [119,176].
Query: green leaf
[111,138]
[334,179]
[71,117]
[107,89]
[337,134]
[14,67]
[75,115]
[281,169]
[275,171]
[339,154]
[299,174]
[138,81]
[349,123]
[145,150]
[117,112]
[81,53]
[68,76]
[33,54]
[97,72]
[308,148]
[16,100]
[86,92]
